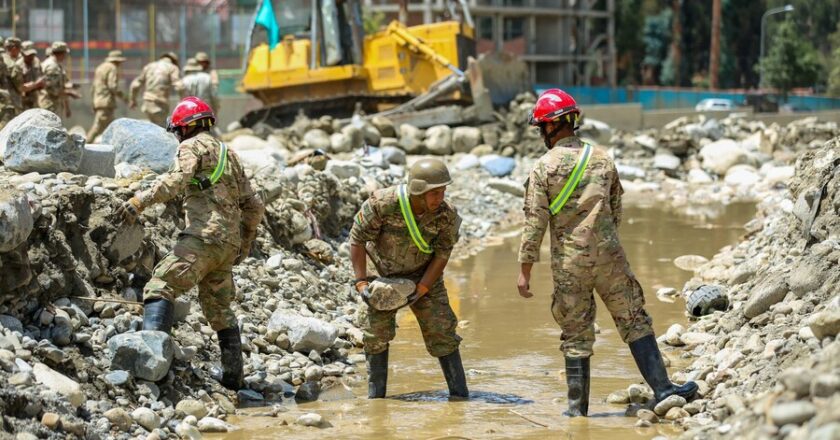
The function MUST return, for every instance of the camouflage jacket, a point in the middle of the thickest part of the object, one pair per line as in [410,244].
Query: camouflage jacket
[15,79]
[380,227]
[586,229]
[106,86]
[158,79]
[223,213]
[52,96]
[31,73]
[200,84]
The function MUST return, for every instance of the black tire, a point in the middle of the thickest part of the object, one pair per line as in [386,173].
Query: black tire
[706,299]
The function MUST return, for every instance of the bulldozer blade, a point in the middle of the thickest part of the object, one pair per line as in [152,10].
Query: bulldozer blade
[504,76]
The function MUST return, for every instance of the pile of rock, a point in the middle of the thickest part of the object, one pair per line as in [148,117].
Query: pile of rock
[295,305]
[770,366]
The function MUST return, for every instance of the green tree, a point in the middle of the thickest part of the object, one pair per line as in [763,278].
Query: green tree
[372,22]
[833,64]
[657,38]
[628,40]
[791,61]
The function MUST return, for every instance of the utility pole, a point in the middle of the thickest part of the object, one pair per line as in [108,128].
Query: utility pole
[714,61]
[402,17]
[676,40]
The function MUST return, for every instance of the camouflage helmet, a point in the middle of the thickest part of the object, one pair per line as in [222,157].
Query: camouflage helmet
[426,175]
[59,47]
[202,57]
[28,48]
[12,42]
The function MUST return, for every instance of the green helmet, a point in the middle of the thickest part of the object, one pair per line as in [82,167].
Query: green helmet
[426,175]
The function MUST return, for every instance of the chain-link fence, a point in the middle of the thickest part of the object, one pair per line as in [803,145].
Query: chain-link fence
[142,29]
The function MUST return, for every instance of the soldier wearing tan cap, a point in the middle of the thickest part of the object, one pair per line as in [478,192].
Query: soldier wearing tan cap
[30,66]
[106,90]
[53,96]
[204,61]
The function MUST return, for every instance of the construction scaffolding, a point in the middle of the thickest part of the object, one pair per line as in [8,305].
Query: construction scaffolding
[563,41]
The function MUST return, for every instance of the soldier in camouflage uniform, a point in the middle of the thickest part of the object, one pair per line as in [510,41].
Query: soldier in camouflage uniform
[418,252]
[198,83]
[53,96]
[7,109]
[204,62]
[33,81]
[222,214]
[158,79]
[574,192]
[106,90]
[10,59]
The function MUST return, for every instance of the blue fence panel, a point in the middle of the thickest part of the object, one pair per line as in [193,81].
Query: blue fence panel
[657,99]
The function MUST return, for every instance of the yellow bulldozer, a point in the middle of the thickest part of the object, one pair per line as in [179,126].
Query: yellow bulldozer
[322,62]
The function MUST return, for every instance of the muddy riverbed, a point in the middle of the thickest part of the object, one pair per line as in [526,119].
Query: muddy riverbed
[510,350]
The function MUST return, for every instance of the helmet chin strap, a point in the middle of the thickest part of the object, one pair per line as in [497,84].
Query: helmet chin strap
[548,136]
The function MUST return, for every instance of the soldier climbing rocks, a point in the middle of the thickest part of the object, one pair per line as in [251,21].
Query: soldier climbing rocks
[222,214]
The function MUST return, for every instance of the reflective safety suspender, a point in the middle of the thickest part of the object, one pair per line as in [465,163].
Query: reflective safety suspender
[408,216]
[573,181]
[204,182]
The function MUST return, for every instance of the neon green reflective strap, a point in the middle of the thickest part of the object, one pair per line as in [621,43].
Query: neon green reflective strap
[574,180]
[408,216]
[220,167]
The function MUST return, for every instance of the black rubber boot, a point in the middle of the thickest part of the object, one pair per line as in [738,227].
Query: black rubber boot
[649,360]
[377,366]
[231,347]
[158,314]
[453,371]
[577,379]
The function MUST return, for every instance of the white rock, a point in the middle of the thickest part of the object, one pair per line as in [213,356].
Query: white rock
[212,424]
[690,262]
[310,419]
[697,176]
[467,161]
[59,383]
[15,219]
[246,142]
[646,141]
[742,175]
[507,186]
[305,333]
[146,418]
[187,431]
[344,169]
[667,162]
[317,139]
[439,140]
[465,139]
[777,175]
[720,156]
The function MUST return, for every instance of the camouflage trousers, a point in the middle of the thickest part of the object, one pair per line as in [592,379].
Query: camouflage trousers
[195,262]
[102,117]
[435,316]
[157,113]
[573,304]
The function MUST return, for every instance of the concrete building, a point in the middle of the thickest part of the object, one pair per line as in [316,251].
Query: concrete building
[568,42]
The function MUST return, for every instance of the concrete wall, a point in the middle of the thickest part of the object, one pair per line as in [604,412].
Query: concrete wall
[233,107]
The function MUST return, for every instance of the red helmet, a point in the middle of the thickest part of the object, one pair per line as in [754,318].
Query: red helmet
[190,111]
[551,105]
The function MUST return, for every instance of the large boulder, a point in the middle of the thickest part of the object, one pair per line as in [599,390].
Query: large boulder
[720,156]
[305,334]
[464,139]
[439,140]
[146,354]
[340,143]
[15,218]
[355,135]
[141,143]
[36,141]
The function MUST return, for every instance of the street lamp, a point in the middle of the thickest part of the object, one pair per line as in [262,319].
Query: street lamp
[785,8]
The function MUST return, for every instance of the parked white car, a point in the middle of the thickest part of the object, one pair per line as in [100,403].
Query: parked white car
[715,104]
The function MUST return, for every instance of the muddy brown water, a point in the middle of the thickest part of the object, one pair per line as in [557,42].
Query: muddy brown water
[510,350]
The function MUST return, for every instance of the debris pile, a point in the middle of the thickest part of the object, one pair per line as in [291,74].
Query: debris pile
[770,365]
[74,365]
